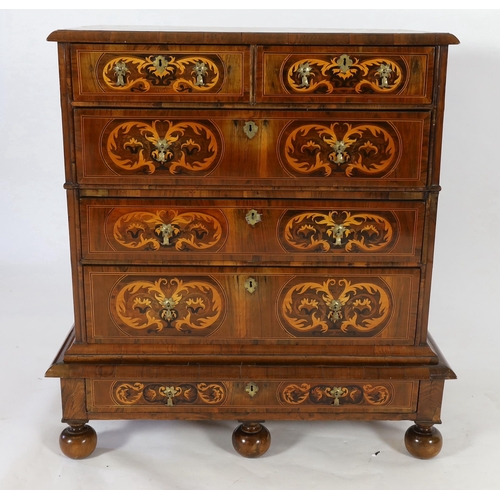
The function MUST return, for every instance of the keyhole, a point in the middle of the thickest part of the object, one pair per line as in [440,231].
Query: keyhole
[250,129]
[344,61]
[250,285]
[252,389]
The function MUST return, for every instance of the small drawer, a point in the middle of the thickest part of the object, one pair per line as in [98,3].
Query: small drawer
[267,306]
[255,232]
[242,148]
[159,73]
[331,75]
[327,397]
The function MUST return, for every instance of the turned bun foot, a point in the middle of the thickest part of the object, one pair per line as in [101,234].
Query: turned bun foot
[423,441]
[78,441]
[251,439]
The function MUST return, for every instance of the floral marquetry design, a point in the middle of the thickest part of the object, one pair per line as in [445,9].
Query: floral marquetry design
[168,393]
[339,149]
[334,307]
[336,394]
[166,73]
[166,230]
[337,230]
[162,147]
[168,306]
[346,74]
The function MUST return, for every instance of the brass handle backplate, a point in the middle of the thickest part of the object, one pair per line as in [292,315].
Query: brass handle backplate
[170,393]
[336,393]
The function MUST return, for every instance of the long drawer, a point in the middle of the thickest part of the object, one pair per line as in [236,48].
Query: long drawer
[323,150]
[252,231]
[328,396]
[213,305]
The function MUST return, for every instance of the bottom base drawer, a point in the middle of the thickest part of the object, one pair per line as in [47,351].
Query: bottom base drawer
[170,396]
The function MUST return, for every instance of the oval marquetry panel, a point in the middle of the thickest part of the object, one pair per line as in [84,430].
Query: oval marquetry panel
[168,393]
[341,73]
[336,394]
[339,231]
[166,230]
[173,306]
[339,149]
[335,307]
[165,73]
[162,147]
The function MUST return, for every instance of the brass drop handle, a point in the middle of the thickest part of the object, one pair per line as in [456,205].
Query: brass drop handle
[121,70]
[338,233]
[336,393]
[253,217]
[201,70]
[335,307]
[305,72]
[170,393]
[339,154]
[384,72]
[166,231]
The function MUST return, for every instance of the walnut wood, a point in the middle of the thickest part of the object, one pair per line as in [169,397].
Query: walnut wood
[161,172]
[78,441]
[251,439]
[423,441]
[243,244]
[124,34]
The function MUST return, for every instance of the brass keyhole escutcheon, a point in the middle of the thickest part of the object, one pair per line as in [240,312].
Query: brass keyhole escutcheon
[253,217]
[251,285]
[344,62]
[252,388]
[250,129]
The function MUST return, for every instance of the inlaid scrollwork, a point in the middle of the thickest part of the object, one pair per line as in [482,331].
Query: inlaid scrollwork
[162,147]
[340,149]
[345,74]
[168,393]
[166,73]
[335,307]
[168,230]
[168,306]
[337,230]
[336,394]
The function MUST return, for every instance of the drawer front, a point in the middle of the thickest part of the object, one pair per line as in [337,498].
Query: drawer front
[252,231]
[207,148]
[149,73]
[368,75]
[174,396]
[267,305]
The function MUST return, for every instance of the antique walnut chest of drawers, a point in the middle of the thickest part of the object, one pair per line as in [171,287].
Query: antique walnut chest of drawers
[252,221]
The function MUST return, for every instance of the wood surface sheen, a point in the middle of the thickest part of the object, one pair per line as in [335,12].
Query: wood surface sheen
[252,219]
